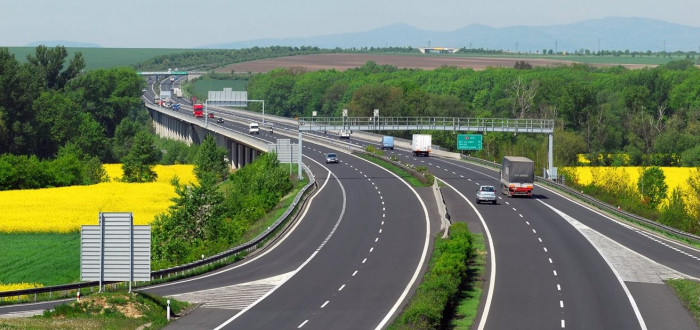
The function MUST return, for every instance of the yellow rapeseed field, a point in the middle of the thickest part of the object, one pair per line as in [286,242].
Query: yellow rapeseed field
[65,209]
[675,176]
[18,286]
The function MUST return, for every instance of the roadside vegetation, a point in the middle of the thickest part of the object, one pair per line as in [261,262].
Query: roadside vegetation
[448,273]
[117,310]
[211,215]
[417,177]
[688,292]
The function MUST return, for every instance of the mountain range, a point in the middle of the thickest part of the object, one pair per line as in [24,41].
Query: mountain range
[611,33]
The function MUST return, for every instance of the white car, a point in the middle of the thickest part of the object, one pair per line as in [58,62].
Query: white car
[486,194]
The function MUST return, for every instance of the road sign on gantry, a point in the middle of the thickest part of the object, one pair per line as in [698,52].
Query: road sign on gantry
[469,142]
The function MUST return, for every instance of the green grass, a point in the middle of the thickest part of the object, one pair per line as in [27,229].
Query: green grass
[395,169]
[467,307]
[204,85]
[104,58]
[49,259]
[688,292]
[117,310]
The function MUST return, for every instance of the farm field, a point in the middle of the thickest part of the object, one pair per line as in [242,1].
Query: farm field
[38,258]
[344,61]
[675,176]
[39,229]
[203,86]
[104,58]
[65,209]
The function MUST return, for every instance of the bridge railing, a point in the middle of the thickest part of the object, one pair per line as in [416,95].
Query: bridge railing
[65,290]
[427,123]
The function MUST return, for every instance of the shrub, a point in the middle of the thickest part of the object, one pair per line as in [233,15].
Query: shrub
[440,285]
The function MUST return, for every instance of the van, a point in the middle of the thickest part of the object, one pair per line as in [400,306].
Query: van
[253,128]
[388,142]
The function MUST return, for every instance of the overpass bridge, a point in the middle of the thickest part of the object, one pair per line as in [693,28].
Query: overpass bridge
[241,149]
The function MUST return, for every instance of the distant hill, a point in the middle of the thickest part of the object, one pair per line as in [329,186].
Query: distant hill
[54,43]
[611,33]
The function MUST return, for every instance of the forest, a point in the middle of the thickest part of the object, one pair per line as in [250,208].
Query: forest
[58,124]
[648,115]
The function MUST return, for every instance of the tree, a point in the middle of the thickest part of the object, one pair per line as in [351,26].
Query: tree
[675,213]
[210,162]
[138,163]
[49,63]
[651,186]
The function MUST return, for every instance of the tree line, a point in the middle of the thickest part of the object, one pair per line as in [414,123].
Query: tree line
[648,114]
[58,124]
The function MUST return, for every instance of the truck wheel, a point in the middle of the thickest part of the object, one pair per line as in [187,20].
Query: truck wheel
[494,202]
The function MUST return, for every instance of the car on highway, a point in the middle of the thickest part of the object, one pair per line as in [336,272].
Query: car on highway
[219,120]
[331,158]
[211,115]
[486,194]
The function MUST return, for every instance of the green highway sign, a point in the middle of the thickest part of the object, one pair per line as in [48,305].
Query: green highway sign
[469,141]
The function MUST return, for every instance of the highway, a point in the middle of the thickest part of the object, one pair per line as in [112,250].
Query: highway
[359,248]
[559,264]
[349,262]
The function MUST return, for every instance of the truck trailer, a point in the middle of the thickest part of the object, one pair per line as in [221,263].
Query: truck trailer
[421,144]
[517,176]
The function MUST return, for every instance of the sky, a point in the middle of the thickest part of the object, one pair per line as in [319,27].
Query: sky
[196,23]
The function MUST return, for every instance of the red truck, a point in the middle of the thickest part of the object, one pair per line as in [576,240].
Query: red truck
[198,110]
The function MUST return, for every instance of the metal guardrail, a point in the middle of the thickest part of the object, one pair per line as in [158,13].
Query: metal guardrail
[246,247]
[595,202]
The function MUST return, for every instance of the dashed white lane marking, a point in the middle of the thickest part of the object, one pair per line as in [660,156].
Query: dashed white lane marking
[341,287]
[555,272]
[520,215]
[354,273]
[302,324]
[563,324]
[545,249]
[534,231]
[550,261]
[325,303]
[376,239]
[561,303]
[558,287]
[371,249]
[364,260]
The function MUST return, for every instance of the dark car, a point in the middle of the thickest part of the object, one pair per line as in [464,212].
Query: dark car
[219,120]
[331,158]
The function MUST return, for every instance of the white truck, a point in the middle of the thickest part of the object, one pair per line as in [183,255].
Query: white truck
[517,176]
[177,91]
[421,144]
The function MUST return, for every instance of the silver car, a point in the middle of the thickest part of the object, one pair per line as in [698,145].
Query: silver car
[486,194]
[331,158]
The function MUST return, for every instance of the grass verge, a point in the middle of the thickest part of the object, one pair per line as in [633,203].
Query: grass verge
[115,310]
[395,169]
[435,298]
[688,292]
[470,294]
